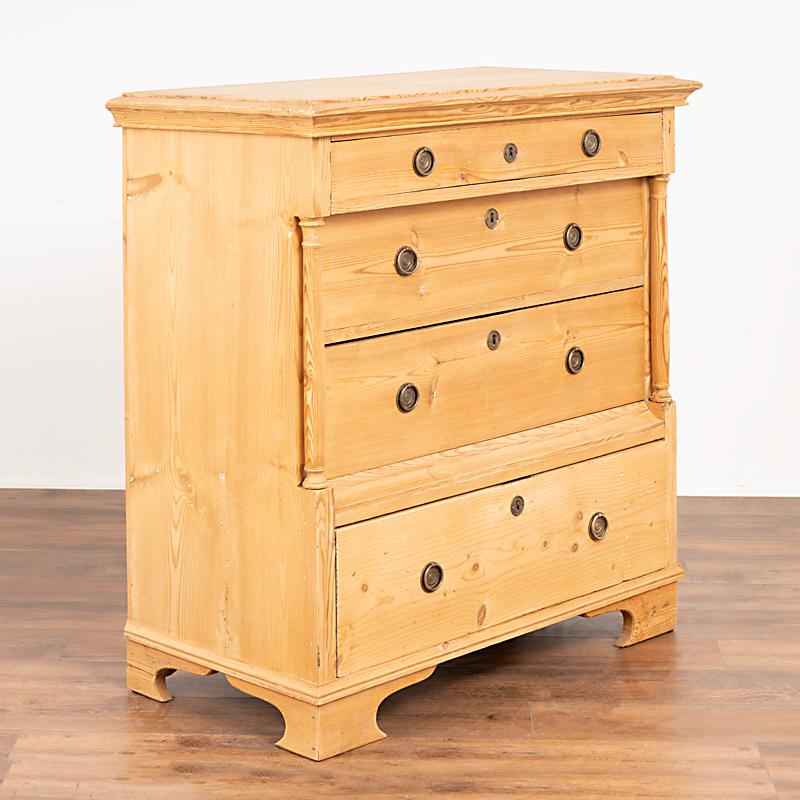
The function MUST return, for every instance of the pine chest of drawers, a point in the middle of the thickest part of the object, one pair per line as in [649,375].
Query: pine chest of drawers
[396,377]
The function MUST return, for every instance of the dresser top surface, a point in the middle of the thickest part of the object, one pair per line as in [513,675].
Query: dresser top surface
[329,106]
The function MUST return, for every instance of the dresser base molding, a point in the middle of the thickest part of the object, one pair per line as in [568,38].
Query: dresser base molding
[327,719]
[148,670]
[319,731]
[644,615]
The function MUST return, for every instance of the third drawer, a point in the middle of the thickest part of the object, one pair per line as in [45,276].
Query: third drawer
[407,394]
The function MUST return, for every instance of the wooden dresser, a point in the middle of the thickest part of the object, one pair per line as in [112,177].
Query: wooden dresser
[396,377]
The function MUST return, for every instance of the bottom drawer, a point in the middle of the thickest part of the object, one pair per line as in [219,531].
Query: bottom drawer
[500,557]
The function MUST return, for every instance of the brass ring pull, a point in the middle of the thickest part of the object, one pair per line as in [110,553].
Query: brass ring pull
[431,577]
[424,161]
[407,397]
[573,236]
[590,143]
[598,526]
[575,360]
[406,261]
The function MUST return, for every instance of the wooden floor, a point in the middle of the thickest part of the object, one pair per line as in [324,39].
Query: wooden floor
[712,711]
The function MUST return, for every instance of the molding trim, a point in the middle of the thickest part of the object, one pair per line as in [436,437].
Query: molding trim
[405,484]
[383,673]
[313,358]
[353,117]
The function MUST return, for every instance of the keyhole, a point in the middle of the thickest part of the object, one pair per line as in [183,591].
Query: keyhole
[492,218]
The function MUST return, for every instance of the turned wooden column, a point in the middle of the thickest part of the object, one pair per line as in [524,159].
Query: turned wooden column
[313,358]
[659,291]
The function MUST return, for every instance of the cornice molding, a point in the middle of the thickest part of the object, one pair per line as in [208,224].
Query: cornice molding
[260,109]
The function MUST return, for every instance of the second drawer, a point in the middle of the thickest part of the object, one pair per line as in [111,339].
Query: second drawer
[405,267]
[403,395]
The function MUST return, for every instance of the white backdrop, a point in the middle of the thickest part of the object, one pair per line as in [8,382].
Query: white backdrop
[735,249]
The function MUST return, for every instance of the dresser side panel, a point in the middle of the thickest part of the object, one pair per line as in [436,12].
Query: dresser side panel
[222,542]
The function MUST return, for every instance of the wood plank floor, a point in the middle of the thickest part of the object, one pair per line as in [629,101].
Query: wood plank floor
[712,711]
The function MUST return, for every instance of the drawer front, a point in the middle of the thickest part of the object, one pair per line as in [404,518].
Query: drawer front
[497,565]
[460,266]
[471,386]
[373,173]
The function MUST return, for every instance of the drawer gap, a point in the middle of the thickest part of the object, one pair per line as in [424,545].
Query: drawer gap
[634,284]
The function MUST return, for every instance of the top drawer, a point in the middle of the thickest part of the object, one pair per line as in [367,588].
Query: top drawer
[393,170]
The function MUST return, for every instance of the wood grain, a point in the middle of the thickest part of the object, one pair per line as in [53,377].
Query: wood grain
[497,188]
[415,481]
[214,398]
[553,714]
[497,565]
[668,132]
[659,290]
[148,670]
[670,417]
[364,171]
[466,269]
[320,731]
[646,271]
[366,104]
[313,358]
[645,615]
[468,393]
[346,685]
